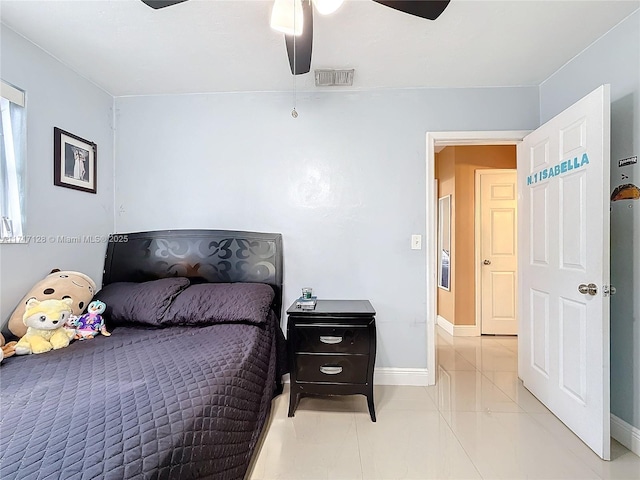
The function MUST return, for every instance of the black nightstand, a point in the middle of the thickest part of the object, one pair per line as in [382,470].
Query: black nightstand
[332,350]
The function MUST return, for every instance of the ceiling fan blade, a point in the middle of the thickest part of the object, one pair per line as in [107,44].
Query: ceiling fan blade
[156,4]
[429,9]
[303,43]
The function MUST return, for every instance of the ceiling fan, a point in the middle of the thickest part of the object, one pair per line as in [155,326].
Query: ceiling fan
[295,19]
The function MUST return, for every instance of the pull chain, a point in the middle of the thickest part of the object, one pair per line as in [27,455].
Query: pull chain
[294,113]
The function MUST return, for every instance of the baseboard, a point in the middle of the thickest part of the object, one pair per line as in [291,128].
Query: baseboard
[400,376]
[446,325]
[458,330]
[626,434]
[466,331]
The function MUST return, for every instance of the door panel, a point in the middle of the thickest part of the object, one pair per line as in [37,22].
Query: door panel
[573,137]
[573,353]
[539,327]
[504,306]
[563,215]
[540,154]
[573,228]
[540,217]
[503,231]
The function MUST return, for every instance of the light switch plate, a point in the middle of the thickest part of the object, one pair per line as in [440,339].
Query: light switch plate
[416,242]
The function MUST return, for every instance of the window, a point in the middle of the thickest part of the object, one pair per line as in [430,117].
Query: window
[12,162]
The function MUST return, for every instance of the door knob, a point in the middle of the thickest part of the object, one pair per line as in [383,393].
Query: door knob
[487,262]
[591,289]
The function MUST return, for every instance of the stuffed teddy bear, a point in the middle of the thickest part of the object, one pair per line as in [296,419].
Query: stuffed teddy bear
[57,285]
[45,326]
[91,323]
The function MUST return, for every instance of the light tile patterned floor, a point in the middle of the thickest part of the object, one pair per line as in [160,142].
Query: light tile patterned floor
[477,422]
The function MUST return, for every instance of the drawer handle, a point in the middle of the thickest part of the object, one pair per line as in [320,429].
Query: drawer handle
[329,339]
[331,370]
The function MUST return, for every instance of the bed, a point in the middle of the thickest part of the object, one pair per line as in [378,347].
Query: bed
[183,386]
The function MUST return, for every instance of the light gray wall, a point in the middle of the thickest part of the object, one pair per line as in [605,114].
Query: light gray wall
[614,59]
[344,183]
[56,97]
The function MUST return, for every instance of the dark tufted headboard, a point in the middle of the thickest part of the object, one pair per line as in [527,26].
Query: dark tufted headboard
[213,256]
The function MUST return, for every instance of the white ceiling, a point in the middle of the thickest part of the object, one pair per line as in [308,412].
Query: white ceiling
[220,46]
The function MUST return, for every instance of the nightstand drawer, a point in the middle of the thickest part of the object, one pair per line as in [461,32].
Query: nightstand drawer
[332,368]
[332,339]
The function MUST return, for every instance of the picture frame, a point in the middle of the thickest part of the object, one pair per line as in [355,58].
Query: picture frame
[444,243]
[75,162]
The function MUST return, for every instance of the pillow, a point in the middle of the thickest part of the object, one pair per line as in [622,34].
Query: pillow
[209,303]
[147,302]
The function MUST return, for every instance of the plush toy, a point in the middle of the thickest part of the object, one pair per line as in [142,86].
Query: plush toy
[45,326]
[91,323]
[57,285]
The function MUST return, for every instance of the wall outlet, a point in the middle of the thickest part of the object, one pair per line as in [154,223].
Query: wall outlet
[416,242]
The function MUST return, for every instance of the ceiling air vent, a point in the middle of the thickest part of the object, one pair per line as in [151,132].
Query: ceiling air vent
[334,78]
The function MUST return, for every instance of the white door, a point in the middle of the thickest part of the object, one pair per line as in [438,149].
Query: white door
[498,251]
[563,213]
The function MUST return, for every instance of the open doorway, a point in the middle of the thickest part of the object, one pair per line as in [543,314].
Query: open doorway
[436,190]
[477,239]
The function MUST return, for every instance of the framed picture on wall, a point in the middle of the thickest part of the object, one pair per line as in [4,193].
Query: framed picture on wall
[444,242]
[74,162]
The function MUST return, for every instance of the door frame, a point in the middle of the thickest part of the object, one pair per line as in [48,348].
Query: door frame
[454,138]
[477,244]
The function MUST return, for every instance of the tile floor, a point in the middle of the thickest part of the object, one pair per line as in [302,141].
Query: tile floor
[477,422]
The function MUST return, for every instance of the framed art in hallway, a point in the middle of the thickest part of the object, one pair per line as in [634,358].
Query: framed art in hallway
[444,242]
[74,162]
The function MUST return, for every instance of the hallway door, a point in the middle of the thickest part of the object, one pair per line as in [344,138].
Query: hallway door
[498,259]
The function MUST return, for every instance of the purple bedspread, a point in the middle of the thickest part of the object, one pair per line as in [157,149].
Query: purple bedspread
[178,402]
